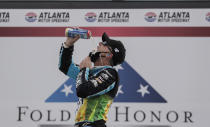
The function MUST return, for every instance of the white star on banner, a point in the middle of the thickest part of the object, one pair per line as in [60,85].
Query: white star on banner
[119,67]
[120,90]
[67,90]
[143,90]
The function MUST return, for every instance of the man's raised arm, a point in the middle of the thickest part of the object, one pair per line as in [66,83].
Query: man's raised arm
[66,64]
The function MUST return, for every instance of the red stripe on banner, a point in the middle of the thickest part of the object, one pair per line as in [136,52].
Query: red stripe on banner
[111,31]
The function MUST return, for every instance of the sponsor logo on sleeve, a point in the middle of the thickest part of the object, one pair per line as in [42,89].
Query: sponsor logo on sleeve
[105,76]
[99,80]
[78,80]
[94,82]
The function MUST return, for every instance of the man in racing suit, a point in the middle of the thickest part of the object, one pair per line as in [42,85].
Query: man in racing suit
[98,85]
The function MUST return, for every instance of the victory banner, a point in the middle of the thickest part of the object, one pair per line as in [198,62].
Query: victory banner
[164,80]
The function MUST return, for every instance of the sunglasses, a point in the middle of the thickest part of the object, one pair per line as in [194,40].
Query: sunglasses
[106,44]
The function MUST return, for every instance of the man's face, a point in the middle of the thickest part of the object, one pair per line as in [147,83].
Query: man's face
[102,48]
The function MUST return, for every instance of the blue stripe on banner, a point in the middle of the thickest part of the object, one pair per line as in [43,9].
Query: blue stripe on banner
[104,91]
[87,73]
[73,71]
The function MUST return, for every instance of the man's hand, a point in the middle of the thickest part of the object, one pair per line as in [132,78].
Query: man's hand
[86,63]
[70,41]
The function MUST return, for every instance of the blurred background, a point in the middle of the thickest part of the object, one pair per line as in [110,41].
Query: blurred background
[164,80]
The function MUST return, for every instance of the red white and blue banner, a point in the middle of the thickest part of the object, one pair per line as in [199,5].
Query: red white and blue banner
[164,79]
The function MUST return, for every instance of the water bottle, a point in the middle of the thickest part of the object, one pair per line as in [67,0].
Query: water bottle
[71,32]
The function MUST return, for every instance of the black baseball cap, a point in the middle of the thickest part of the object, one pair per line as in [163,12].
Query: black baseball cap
[117,49]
